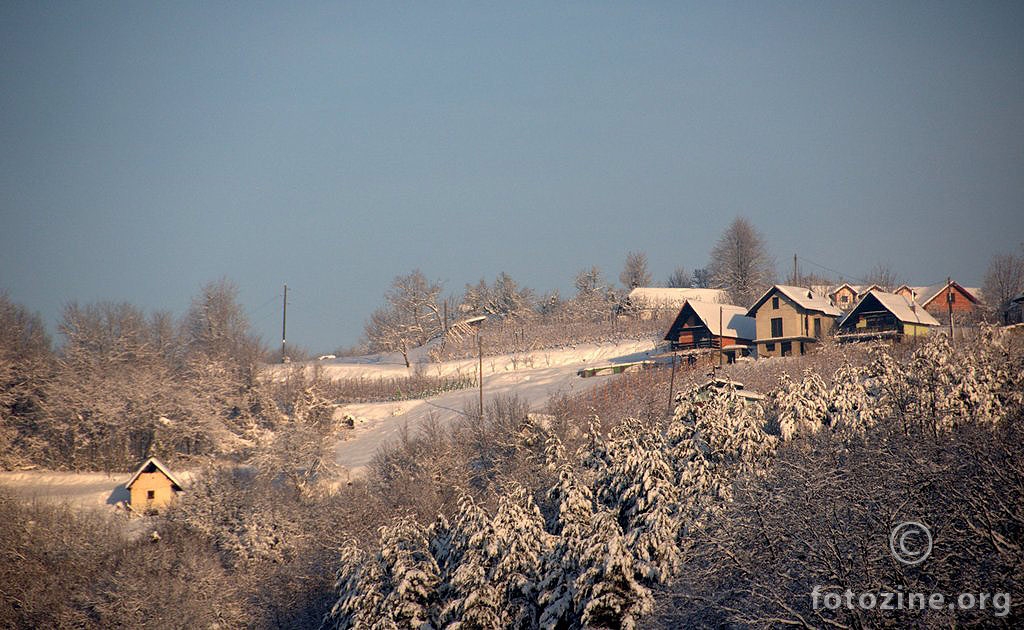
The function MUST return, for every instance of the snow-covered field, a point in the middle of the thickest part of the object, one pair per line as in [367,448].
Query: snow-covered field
[533,376]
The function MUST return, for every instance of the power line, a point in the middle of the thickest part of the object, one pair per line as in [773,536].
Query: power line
[838,273]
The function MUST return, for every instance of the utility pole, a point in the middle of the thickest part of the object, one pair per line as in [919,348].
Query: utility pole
[284,323]
[721,355]
[672,384]
[480,376]
[949,305]
[794,269]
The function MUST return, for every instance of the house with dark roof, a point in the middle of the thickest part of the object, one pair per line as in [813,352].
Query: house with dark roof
[788,320]
[153,486]
[881,315]
[702,325]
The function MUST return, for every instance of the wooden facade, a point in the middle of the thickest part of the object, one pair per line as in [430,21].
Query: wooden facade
[880,315]
[700,325]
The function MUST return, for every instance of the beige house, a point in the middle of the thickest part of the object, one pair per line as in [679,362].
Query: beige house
[152,486]
[789,319]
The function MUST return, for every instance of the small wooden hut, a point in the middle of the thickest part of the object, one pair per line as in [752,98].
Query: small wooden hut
[152,486]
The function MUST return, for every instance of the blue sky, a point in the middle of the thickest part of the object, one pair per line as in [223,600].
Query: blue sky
[148,148]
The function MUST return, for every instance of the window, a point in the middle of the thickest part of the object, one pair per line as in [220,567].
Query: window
[787,348]
[775,302]
[150,495]
[776,327]
[817,327]
[845,299]
[769,347]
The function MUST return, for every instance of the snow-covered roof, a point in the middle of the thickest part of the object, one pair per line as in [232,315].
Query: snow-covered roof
[924,295]
[802,296]
[654,297]
[159,466]
[902,308]
[734,320]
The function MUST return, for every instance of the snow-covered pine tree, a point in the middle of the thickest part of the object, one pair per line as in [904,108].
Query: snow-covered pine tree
[475,599]
[345,612]
[607,593]
[410,600]
[521,542]
[570,527]
[638,485]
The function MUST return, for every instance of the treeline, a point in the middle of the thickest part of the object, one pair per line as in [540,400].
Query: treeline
[123,384]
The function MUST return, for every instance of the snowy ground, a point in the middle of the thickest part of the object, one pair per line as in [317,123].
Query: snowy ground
[79,489]
[532,376]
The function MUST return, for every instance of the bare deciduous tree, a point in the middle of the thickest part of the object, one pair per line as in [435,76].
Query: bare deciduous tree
[1003,280]
[679,279]
[740,262]
[216,326]
[410,316]
[25,360]
[634,273]
[884,276]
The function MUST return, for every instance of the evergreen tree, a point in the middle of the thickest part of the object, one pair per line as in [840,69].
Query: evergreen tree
[521,542]
[476,600]
[607,592]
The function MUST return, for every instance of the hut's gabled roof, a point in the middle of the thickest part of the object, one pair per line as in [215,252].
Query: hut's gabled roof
[154,464]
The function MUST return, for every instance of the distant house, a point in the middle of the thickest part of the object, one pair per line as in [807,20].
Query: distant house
[937,298]
[649,302]
[789,319]
[881,315]
[703,325]
[152,486]
[846,295]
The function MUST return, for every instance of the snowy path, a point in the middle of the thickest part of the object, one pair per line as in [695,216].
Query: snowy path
[534,377]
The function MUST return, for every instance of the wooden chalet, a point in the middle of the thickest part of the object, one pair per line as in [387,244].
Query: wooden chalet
[789,319]
[881,315]
[937,298]
[700,325]
[152,486]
